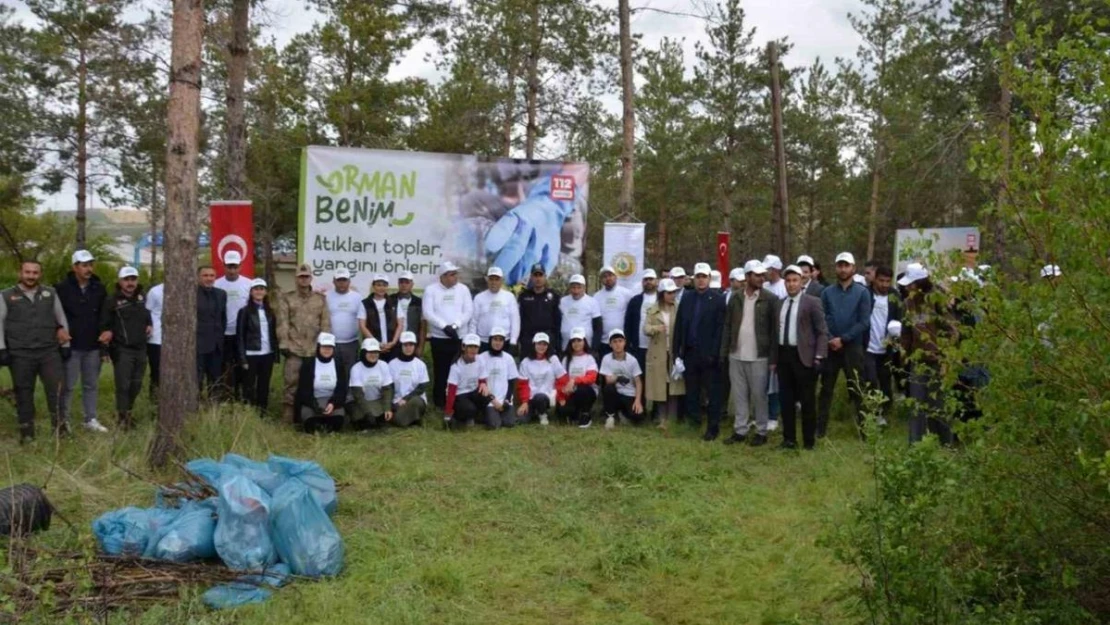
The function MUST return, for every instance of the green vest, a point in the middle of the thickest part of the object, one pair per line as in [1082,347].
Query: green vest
[30,325]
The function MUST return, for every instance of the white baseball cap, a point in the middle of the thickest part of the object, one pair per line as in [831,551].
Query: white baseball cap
[701,269]
[371,345]
[577,279]
[259,282]
[894,328]
[494,270]
[341,274]
[668,286]
[805,259]
[408,337]
[541,337]
[607,268]
[678,272]
[754,266]
[128,272]
[614,333]
[649,273]
[448,267]
[578,333]
[326,339]
[792,269]
[1051,271]
[471,340]
[407,275]
[380,277]
[714,279]
[914,272]
[233,258]
[499,331]
[736,274]
[771,261]
[82,256]
[846,257]
[859,279]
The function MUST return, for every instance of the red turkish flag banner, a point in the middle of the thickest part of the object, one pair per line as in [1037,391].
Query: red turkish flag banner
[723,256]
[232,230]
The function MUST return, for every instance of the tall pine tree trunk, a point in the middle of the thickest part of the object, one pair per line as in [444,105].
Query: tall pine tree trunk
[153,217]
[998,224]
[781,218]
[628,135]
[873,211]
[239,56]
[510,107]
[533,87]
[178,391]
[82,143]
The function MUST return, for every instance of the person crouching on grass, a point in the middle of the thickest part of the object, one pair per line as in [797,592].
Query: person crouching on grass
[624,386]
[410,383]
[322,389]
[540,375]
[467,389]
[501,373]
[577,396]
[371,387]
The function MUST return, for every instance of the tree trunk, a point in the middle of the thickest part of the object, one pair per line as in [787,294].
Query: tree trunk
[510,107]
[82,142]
[998,229]
[780,220]
[239,51]
[533,93]
[628,142]
[178,396]
[873,212]
[153,217]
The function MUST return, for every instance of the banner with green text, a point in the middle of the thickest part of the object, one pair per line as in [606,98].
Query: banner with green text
[391,212]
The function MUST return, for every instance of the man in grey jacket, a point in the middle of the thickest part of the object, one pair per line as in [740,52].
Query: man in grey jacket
[746,347]
[799,347]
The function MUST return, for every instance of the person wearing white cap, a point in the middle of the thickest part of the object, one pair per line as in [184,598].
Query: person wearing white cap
[256,328]
[924,326]
[377,317]
[715,279]
[800,344]
[345,310]
[238,289]
[322,388]
[501,377]
[127,322]
[211,333]
[678,274]
[579,310]
[410,309]
[697,341]
[447,308]
[496,307]
[577,395]
[848,318]
[662,389]
[82,295]
[410,383]
[746,348]
[735,283]
[468,391]
[636,314]
[302,315]
[773,283]
[371,388]
[540,374]
[879,363]
[623,392]
[810,284]
[612,299]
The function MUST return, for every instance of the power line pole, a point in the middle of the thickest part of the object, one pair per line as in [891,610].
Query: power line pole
[780,217]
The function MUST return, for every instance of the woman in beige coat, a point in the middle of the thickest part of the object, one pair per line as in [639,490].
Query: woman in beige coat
[662,391]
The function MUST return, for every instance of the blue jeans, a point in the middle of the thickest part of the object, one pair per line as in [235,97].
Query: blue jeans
[83,364]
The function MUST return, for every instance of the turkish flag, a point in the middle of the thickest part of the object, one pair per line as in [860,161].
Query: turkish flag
[722,256]
[232,224]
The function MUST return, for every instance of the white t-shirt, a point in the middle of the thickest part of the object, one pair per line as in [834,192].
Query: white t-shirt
[370,379]
[264,346]
[447,306]
[403,311]
[613,304]
[578,366]
[383,326]
[407,376]
[542,374]
[466,375]
[499,370]
[323,386]
[238,294]
[778,288]
[154,305]
[649,301]
[880,311]
[579,313]
[493,310]
[629,367]
[344,309]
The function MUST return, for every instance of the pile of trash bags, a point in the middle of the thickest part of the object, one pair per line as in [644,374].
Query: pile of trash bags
[270,519]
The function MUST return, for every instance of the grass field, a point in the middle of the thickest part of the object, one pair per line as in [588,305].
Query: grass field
[532,525]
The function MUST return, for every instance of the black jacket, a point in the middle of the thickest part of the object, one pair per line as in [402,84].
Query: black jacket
[415,313]
[83,310]
[632,321]
[211,319]
[305,396]
[248,330]
[126,318]
[539,312]
[374,323]
[709,325]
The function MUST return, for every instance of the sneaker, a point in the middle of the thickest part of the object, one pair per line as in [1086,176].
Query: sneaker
[543,419]
[710,435]
[736,438]
[772,425]
[610,422]
[759,440]
[94,425]
[583,425]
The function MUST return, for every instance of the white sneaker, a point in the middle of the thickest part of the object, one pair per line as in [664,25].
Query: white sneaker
[543,419]
[94,426]
[772,425]
[610,422]
[586,425]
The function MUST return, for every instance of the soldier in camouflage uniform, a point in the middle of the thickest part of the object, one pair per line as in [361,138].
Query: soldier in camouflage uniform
[302,316]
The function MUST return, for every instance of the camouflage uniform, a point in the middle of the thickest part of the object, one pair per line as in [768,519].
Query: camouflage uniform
[301,317]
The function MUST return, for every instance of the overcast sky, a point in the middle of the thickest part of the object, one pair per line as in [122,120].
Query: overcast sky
[816,28]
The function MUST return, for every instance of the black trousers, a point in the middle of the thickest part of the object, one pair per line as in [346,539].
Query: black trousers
[878,371]
[703,375]
[848,359]
[444,353]
[256,380]
[471,406]
[613,403]
[538,405]
[27,366]
[231,374]
[209,368]
[796,385]
[128,364]
[154,358]
[578,405]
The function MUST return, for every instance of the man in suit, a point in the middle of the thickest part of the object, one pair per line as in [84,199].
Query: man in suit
[697,340]
[810,286]
[746,348]
[211,321]
[800,346]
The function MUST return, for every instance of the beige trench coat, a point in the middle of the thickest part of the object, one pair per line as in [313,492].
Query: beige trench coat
[659,359]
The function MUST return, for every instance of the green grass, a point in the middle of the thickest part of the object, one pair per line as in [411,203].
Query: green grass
[532,525]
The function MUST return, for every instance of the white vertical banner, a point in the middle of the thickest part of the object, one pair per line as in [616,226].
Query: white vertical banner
[624,252]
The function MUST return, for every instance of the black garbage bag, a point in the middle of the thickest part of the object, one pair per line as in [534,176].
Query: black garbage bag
[23,509]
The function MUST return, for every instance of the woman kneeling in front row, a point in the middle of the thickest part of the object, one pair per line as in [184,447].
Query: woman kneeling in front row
[410,382]
[371,388]
[322,388]
[577,396]
[540,375]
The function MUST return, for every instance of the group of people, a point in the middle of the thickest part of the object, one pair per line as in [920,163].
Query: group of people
[680,345]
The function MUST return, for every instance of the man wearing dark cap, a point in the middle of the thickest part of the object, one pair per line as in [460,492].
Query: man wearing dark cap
[539,312]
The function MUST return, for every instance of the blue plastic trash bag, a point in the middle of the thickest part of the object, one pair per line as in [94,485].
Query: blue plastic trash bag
[304,536]
[128,531]
[212,472]
[234,595]
[312,475]
[188,538]
[260,472]
[242,534]
[275,577]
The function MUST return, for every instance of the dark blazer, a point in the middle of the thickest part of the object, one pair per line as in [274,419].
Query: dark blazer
[632,321]
[708,330]
[82,310]
[373,323]
[765,325]
[813,333]
[415,313]
[815,288]
[305,395]
[248,330]
[211,319]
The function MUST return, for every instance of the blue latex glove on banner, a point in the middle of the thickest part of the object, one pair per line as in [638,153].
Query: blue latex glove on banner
[530,233]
